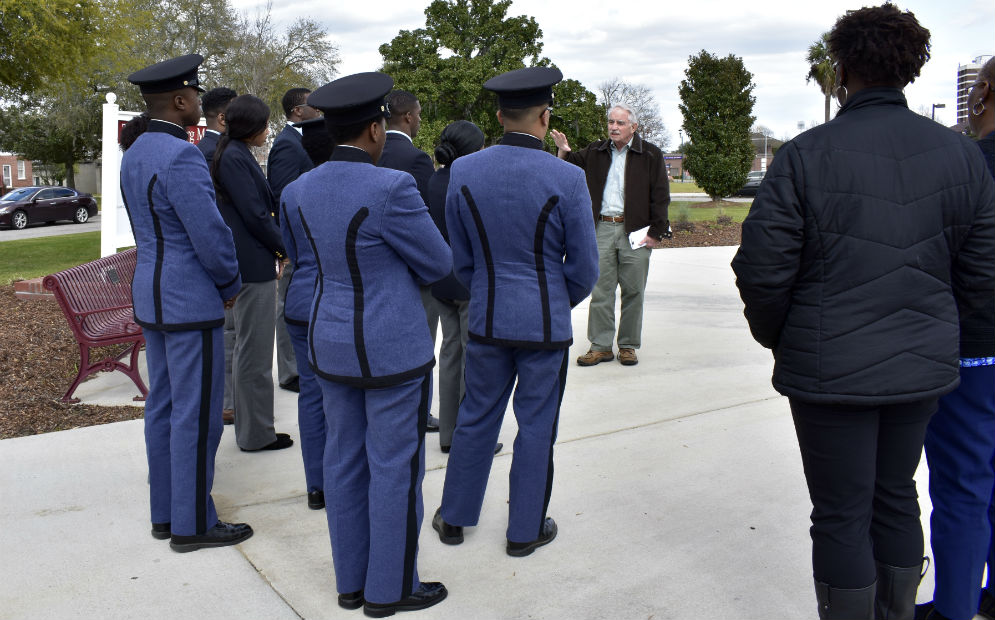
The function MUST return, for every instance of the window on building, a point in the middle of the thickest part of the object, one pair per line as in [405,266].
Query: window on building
[6,175]
[21,170]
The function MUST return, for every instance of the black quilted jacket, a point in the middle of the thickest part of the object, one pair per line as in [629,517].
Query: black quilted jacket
[870,237]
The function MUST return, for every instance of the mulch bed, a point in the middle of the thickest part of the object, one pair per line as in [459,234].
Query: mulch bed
[40,357]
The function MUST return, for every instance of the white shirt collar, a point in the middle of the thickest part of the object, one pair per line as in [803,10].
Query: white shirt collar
[401,133]
[297,129]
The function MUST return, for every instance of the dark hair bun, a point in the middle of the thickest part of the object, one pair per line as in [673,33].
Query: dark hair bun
[459,138]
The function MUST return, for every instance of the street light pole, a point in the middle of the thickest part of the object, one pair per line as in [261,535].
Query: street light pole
[680,132]
[936,105]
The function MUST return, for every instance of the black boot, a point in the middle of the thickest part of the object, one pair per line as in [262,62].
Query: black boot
[840,604]
[896,594]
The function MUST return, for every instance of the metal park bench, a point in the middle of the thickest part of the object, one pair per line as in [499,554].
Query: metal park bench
[96,299]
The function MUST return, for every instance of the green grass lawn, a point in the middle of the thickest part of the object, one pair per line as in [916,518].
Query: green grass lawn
[676,187]
[707,211]
[23,259]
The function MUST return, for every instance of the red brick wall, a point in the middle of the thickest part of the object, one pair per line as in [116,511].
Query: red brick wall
[11,160]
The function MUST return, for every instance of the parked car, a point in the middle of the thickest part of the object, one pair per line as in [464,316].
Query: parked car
[29,205]
[753,180]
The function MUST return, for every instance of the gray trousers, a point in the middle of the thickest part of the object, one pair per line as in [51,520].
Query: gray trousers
[286,363]
[252,364]
[452,355]
[229,336]
[624,268]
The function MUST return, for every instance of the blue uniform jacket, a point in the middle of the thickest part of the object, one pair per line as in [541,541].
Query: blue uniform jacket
[374,243]
[186,257]
[247,205]
[523,241]
[303,279]
[287,161]
[400,154]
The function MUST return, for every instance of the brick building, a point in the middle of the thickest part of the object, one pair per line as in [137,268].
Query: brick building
[14,172]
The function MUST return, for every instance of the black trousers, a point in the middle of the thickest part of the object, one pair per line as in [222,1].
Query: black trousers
[859,463]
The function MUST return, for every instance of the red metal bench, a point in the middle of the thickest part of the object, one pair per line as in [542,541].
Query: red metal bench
[96,299]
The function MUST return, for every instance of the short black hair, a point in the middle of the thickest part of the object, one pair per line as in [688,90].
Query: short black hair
[293,98]
[880,44]
[340,134]
[214,101]
[132,129]
[516,115]
[401,102]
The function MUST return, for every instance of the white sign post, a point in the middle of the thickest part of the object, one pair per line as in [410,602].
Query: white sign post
[115,228]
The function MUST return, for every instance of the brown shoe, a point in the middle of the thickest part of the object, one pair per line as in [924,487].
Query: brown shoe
[593,357]
[228,416]
[627,357]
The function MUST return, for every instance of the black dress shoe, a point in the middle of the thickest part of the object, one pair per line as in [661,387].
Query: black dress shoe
[221,535]
[294,385]
[497,448]
[546,536]
[433,424]
[316,500]
[428,593]
[282,441]
[448,534]
[351,600]
[160,531]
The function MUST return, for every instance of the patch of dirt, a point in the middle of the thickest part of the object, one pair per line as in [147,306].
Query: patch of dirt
[39,362]
[40,356]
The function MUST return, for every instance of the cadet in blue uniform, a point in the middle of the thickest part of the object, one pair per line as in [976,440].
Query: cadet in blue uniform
[186,274]
[528,253]
[300,292]
[374,243]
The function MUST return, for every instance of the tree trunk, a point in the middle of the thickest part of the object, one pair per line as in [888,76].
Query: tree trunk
[829,99]
[70,173]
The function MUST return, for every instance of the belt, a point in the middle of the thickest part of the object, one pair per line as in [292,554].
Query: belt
[618,219]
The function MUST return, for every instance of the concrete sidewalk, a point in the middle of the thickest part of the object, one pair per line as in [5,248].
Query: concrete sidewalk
[678,493]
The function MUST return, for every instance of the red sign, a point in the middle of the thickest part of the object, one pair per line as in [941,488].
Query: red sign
[194,132]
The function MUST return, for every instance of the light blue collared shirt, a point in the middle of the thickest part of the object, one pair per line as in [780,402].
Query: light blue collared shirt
[613,200]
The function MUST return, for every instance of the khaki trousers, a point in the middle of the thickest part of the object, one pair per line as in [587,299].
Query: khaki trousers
[623,268]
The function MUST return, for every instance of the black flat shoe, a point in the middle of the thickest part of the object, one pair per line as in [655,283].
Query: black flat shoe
[497,448]
[448,534]
[351,600]
[433,424]
[294,385]
[546,536]
[428,593]
[282,441]
[160,531]
[316,500]
[221,535]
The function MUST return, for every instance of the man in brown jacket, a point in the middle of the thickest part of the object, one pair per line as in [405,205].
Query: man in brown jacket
[630,193]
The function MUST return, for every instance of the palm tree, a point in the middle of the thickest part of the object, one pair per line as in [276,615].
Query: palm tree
[821,68]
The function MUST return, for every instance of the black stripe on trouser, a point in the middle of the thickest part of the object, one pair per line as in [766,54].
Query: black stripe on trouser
[358,305]
[541,267]
[552,439]
[203,427]
[411,538]
[160,250]
[485,247]
[320,280]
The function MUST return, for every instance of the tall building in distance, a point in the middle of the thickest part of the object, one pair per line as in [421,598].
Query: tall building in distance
[967,75]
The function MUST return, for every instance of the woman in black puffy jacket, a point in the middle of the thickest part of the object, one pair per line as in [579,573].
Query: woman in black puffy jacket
[871,237]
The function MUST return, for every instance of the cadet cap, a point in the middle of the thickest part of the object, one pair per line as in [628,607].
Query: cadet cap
[169,75]
[353,98]
[524,88]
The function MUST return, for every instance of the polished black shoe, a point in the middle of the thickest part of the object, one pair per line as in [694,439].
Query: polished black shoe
[316,500]
[433,424]
[160,531]
[428,593]
[282,441]
[221,535]
[497,448]
[351,600]
[448,534]
[294,385]
[546,536]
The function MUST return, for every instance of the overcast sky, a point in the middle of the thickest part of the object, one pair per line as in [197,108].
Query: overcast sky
[649,42]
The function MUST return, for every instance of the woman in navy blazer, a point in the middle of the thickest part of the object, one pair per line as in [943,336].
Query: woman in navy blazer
[247,206]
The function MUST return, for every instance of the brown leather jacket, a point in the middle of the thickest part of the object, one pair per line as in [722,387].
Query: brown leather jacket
[647,186]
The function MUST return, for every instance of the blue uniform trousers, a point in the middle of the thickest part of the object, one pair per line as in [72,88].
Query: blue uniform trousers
[374,465]
[490,376]
[183,425]
[960,447]
[310,414]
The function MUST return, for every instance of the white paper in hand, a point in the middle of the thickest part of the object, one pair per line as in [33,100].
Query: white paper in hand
[636,237]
